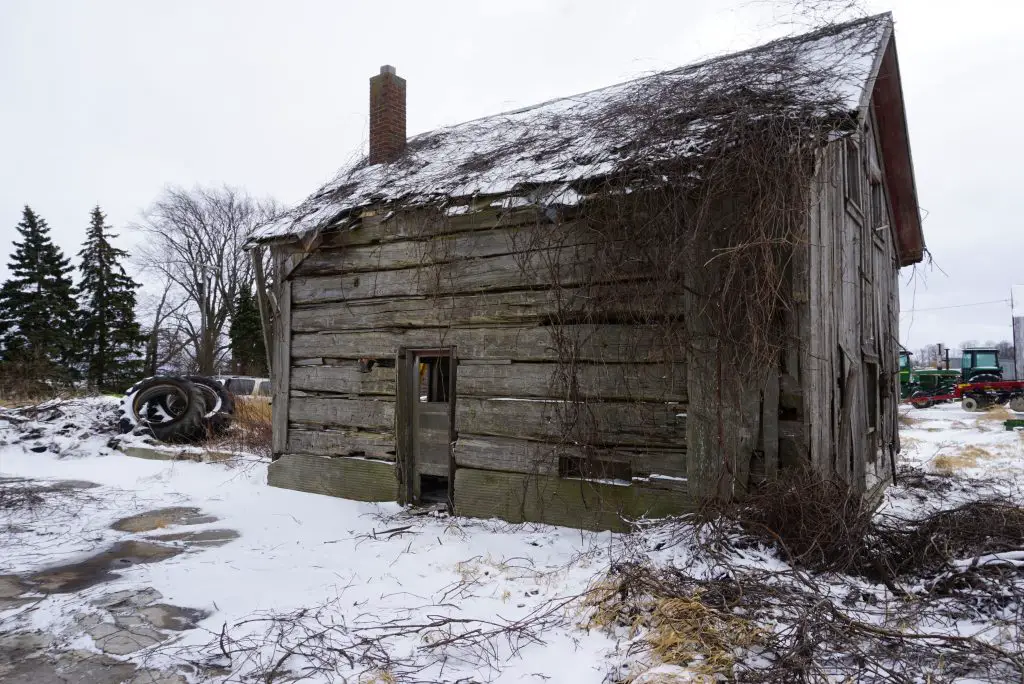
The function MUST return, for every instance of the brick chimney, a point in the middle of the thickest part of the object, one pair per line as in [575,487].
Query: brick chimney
[387,116]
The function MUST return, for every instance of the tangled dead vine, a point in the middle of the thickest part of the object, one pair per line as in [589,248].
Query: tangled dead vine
[692,239]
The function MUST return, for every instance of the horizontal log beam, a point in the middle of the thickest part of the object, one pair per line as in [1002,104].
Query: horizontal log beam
[609,343]
[375,445]
[625,381]
[523,456]
[346,378]
[595,423]
[367,414]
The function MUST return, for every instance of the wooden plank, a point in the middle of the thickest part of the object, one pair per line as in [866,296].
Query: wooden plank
[344,379]
[281,370]
[607,343]
[524,456]
[405,395]
[627,381]
[488,308]
[351,478]
[375,445]
[367,414]
[378,225]
[443,248]
[266,325]
[559,501]
[602,424]
[564,267]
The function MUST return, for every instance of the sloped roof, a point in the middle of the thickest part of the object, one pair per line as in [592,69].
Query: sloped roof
[595,134]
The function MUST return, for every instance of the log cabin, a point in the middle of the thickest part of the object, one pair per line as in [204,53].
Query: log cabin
[539,315]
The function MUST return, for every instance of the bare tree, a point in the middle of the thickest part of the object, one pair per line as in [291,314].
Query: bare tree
[165,341]
[194,241]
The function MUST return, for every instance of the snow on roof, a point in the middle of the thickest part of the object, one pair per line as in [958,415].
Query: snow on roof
[595,134]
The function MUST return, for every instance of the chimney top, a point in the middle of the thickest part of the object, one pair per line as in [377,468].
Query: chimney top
[387,116]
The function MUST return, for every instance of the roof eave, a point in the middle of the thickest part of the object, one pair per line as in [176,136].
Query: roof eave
[886,97]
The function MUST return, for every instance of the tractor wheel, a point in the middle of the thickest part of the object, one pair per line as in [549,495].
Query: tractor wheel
[220,404]
[985,377]
[168,408]
[1017,403]
[920,400]
[969,404]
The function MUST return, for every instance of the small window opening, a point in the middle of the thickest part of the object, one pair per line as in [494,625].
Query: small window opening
[854,172]
[879,214]
[433,489]
[580,467]
[433,379]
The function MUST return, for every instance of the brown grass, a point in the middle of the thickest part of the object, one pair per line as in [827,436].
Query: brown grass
[967,457]
[996,412]
[250,430]
[679,630]
[906,420]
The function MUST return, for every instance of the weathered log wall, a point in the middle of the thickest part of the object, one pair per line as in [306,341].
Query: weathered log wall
[850,326]
[530,392]
[539,383]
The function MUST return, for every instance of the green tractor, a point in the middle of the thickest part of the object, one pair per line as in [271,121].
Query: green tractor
[980,364]
[921,385]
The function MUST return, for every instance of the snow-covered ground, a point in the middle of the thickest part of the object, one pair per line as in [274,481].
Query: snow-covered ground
[397,596]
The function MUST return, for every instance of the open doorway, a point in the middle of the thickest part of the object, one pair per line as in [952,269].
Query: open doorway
[427,413]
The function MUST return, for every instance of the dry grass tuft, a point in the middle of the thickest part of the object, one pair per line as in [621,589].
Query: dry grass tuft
[997,412]
[678,629]
[906,420]
[250,430]
[967,457]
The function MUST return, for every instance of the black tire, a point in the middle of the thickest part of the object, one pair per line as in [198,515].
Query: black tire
[970,403]
[1016,403]
[168,408]
[985,377]
[920,400]
[220,403]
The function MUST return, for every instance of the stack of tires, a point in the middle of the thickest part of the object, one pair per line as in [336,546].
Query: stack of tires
[177,409]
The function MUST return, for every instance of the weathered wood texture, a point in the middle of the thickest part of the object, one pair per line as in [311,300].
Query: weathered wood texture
[523,456]
[639,382]
[597,423]
[351,478]
[340,442]
[560,501]
[589,343]
[622,300]
[345,378]
[366,414]
[534,269]
[445,248]
[281,369]
[851,320]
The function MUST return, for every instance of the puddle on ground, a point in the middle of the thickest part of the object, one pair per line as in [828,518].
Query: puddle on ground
[161,518]
[101,567]
[11,590]
[202,538]
[175,618]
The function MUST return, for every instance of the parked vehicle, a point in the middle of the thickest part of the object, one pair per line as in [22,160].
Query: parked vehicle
[246,386]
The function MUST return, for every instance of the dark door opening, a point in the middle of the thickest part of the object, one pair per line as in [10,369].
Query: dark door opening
[429,407]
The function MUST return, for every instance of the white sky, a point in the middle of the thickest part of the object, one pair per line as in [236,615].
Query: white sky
[109,101]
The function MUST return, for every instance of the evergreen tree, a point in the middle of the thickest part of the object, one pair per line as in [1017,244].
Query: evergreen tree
[37,310]
[109,333]
[248,353]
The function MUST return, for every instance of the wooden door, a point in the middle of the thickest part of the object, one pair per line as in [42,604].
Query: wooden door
[429,404]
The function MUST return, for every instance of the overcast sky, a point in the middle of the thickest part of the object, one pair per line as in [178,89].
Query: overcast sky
[107,102]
